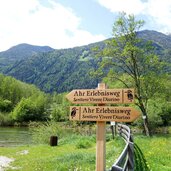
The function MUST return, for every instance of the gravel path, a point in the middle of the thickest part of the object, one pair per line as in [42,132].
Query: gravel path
[5,162]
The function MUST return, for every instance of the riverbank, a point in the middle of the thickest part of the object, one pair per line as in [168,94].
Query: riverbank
[74,152]
[78,152]
[77,148]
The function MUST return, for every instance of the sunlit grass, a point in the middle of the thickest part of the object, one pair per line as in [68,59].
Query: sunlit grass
[157,151]
[71,154]
[76,152]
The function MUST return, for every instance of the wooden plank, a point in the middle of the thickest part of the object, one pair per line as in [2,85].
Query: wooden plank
[101,96]
[103,113]
[101,142]
[101,146]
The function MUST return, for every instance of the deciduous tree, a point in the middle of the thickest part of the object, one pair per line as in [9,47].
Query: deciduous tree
[127,54]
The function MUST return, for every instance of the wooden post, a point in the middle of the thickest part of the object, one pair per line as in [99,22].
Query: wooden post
[53,141]
[113,129]
[101,141]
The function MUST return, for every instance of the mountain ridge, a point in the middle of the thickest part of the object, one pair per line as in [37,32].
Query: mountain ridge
[66,69]
[21,51]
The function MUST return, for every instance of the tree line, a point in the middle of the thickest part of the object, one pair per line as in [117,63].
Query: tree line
[21,102]
[126,61]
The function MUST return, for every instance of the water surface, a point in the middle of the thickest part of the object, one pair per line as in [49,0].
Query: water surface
[15,136]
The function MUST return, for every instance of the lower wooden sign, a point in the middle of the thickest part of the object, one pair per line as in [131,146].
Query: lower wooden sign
[103,113]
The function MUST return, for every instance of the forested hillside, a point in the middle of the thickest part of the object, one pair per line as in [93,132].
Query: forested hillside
[58,70]
[21,102]
[20,52]
[67,69]
[62,70]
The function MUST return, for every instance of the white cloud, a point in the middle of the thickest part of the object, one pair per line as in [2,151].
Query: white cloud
[158,12]
[30,22]
[130,7]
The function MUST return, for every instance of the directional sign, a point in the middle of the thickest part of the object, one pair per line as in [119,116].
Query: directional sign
[103,113]
[103,96]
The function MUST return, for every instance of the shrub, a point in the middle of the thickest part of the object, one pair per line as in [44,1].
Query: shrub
[5,105]
[84,143]
[5,119]
[30,109]
[43,132]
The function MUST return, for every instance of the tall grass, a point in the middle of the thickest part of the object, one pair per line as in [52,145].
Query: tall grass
[157,151]
[43,131]
[5,119]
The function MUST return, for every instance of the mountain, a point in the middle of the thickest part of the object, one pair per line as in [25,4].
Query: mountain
[164,41]
[19,52]
[66,69]
[57,70]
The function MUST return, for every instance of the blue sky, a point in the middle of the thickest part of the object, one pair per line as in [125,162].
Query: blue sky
[95,18]
[70,23]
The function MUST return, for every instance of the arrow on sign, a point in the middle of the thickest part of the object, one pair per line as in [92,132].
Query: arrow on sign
[103,113]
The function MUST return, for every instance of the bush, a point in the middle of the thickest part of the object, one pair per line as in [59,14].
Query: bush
[5,119]
[166,115]
[58,112]
[59,108]
[5,105]
[30,109]
[158,113]
[43,132]
[84,143]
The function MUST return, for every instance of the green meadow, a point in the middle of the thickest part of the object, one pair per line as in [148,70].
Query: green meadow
[78,153]
[75,152]
[157,151]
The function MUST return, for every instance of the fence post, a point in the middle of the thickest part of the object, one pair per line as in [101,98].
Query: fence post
[53,141]
[131,156]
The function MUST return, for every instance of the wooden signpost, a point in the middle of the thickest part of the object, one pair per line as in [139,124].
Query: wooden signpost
[102,113]
[101,140]
[101,96]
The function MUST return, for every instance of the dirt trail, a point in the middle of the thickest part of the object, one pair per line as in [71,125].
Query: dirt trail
[5,162]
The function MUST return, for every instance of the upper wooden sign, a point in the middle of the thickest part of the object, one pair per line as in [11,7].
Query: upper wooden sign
[101,96]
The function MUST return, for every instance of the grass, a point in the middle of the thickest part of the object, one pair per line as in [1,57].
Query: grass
[77,152]
[157,151]
[72,154]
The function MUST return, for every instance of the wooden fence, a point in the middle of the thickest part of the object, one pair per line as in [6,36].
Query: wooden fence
[125,162]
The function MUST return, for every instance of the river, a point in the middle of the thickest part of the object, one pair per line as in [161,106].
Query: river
[15,136]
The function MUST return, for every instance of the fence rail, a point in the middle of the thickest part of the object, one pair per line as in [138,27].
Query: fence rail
[125,162]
